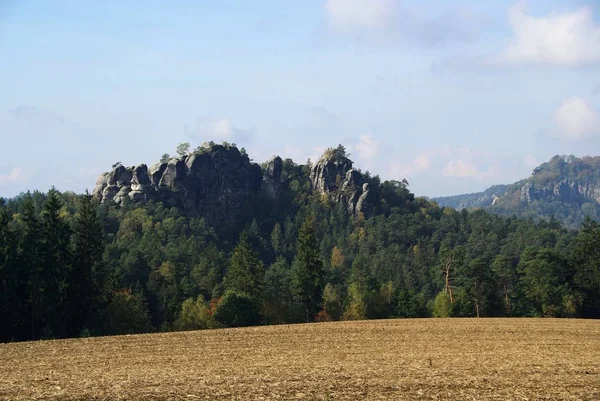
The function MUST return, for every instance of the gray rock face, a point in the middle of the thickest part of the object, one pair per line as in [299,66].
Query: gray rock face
[216,184]
[565,190]
[272,180]
[336,178]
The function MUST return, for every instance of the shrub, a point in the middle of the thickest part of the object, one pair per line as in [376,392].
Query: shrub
[237,310]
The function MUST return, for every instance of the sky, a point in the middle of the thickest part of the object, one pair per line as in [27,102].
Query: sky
[453,95]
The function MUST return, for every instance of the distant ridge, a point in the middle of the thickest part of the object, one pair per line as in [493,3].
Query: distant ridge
[566,188]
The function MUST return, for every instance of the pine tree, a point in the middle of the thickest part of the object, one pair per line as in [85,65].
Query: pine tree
[277,239]
[87,275]
[246,272]
[308,273]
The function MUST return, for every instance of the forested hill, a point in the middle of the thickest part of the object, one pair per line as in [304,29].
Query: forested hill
[566,188]
[210,239]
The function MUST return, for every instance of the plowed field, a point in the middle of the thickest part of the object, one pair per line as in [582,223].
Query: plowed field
[441,359]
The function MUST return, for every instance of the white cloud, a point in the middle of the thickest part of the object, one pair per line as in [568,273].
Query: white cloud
[421,163]
[465,169]
[465,163]
[15,175]
[367,148]
[221,129]
[566,39]
[576,119]
[301,155]
[356,15]
[447,162]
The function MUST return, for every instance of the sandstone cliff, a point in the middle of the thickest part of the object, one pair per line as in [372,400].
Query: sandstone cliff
[219,183]
[333,175]
[216,183]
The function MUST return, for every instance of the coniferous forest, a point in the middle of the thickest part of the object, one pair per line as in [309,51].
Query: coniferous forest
[72,266]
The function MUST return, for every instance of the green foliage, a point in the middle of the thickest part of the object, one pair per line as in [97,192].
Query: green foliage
[308,272]
[357,306]
[278,296]
[64,261]
[128,313]
[541,273]
[194,315]
[246,272]
[165,158]
[410,305]
[337,155]
[237,310]
[183,149]
[332,302]
[441,306]
[57,259]
[586,263]
[87,282]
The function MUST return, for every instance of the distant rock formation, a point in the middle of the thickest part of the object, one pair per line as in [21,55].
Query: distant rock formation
[566,187]
[334,176]
[216,183]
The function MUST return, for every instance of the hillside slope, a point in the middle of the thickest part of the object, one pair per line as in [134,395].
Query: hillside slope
[566,188]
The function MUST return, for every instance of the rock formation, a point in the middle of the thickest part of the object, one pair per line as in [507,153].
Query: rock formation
[334,176]
[218,182]
[215,183]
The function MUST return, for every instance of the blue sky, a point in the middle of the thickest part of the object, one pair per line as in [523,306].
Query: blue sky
[453,95]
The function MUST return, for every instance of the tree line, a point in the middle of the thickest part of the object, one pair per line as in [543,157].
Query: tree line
[70,267]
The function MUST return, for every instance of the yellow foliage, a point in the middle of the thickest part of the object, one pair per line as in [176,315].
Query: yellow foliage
[416,250]
[337,258]
[167,270]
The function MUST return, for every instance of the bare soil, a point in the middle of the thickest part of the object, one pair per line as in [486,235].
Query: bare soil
[429,359]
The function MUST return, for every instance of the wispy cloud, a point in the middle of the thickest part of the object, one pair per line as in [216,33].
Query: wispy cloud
[15,175]
[367,148]
[429,26]
[360,15]
[461,168]
[220,129]
[421,163]
[31,113]
[447,162]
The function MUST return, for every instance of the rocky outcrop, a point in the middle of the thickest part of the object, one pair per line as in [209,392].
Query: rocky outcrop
[272,182]
[334,176]
[216,183]
[564,190]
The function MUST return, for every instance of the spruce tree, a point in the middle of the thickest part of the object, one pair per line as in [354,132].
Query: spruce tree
[308,272]
[30,269]
[246,272]
[87,275]
[57,264]
[8,297]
